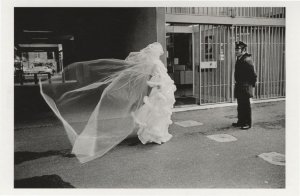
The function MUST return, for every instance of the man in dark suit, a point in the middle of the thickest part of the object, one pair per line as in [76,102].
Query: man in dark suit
[245,80]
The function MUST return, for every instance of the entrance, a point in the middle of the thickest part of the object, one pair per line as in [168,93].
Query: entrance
[180,62]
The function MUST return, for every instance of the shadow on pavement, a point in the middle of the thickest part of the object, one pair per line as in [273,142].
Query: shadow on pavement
[23,156]
[45,181]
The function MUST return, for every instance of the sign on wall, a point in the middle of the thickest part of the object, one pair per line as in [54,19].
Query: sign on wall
[208,64]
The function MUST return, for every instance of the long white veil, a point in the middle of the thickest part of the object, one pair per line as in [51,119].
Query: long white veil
[95,100]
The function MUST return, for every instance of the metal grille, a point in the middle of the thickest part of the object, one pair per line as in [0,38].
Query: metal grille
[267,46]
[215,84]
[215,50]
[253,12]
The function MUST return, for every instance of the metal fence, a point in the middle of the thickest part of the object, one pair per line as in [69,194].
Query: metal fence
[216,47]
[253,12]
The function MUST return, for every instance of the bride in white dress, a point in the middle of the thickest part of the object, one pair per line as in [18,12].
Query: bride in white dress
[101,102]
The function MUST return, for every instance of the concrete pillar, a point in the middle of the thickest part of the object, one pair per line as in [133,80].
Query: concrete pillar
[161,31]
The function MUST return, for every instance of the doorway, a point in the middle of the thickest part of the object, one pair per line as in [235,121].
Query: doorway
[180,62]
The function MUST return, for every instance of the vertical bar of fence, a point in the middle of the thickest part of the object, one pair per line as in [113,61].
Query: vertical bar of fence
[212,72]
[204,69]
[225,61]
[260,61]
[276,59]
[257,61]
[227,53]
[255,33]
[218,58]
[266,62]
[221,59]
[269,61]
[284,67]
[275,65]
[220,62]
[280,61]
[252,46]
[215,59]
[222,65]
[263,59]
[200,50]
[233,35]
[209,77]
[283,64]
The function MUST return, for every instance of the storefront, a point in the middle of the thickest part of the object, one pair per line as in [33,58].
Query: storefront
[201,57]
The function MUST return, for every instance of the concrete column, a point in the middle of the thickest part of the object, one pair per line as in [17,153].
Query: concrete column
[161,31]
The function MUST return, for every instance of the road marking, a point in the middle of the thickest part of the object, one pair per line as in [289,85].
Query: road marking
[222,138]
[273,158]
[188,123]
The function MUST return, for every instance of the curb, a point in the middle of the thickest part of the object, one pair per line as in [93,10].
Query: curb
[211,106]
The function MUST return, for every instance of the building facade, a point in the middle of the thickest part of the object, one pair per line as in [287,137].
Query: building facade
[199,45]
[200,51]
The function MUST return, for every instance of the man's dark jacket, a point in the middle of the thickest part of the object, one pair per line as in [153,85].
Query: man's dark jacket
[245,77]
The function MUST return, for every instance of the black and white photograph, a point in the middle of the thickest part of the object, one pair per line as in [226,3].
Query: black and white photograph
[156,97]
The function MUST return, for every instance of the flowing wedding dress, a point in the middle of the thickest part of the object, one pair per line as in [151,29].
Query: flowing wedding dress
[102,102]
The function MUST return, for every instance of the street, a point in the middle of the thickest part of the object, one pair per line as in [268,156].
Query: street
[189,160]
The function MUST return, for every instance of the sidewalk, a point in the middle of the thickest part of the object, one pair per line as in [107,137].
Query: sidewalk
[189,160]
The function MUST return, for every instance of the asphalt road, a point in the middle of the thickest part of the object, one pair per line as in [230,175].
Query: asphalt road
[189,160]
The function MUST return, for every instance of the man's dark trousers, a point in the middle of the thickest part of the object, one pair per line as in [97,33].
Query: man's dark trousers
[244,110]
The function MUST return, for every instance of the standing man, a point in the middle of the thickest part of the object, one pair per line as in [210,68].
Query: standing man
[245,79]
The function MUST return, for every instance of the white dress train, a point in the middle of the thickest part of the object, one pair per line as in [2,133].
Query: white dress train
[101,102]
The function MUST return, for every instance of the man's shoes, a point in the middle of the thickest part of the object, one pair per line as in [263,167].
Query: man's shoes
[236,124]
[245,127]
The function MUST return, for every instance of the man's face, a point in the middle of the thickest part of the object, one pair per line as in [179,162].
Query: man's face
[238,52]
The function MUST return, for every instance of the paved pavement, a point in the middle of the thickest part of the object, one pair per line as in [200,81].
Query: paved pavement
[189,160]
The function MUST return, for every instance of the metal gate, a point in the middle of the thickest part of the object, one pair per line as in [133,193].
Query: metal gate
[215,59]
